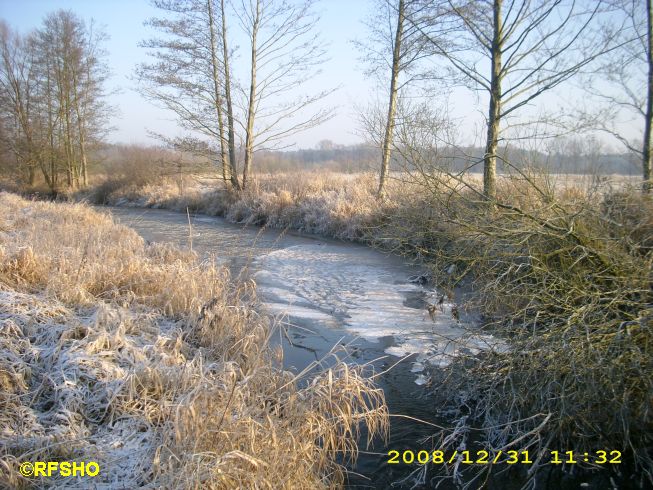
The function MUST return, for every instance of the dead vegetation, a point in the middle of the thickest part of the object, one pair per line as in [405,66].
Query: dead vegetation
[154,365]
[561,269]
[566,277]
[325,203]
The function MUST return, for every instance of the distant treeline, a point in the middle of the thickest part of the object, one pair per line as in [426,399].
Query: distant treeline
[577,155]
[565,158]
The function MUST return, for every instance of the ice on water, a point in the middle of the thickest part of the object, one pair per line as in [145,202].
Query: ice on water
[364,292]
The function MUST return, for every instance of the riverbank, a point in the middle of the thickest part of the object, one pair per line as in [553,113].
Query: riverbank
[562,271]
[322,203]
[154,365]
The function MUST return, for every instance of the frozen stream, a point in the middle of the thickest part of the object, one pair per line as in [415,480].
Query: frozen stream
[334,292]
[336,285]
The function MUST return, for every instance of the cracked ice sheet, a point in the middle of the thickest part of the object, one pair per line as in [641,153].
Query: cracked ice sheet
[364,292]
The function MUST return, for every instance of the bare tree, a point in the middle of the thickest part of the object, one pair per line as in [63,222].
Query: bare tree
[227,92]
[88,78]
[397,47]
[71,76]
[394,89]
[192,73]
[59,41]
[17,86]
[52,84]
[213,39]
[188,75]
[285,52]
[623,84]
[515,51]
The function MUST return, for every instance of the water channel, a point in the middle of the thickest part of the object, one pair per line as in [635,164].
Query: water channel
[329,292]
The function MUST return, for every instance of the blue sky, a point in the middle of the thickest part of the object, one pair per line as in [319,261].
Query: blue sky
[341,22]
[123,20]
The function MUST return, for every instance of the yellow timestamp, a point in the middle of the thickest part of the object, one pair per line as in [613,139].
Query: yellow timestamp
[506,457]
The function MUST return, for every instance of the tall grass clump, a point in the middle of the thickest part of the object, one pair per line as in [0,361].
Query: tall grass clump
[325,203]
[155,365]
[566,277]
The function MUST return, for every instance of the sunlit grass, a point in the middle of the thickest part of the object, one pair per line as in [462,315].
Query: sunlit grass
[154,365]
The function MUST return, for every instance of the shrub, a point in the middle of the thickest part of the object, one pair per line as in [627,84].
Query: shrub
[569,284]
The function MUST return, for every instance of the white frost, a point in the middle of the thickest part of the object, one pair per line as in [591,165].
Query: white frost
[364,292]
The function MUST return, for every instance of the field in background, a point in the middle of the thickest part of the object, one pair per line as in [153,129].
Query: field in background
[102,359]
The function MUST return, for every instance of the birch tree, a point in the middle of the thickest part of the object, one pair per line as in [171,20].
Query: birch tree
[396,48]
[394,90]
[284,52]
[190,72]
[231,142]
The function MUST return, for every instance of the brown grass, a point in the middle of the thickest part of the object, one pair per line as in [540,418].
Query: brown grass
[321,202]
[332,204]
[154,365]
[561,267]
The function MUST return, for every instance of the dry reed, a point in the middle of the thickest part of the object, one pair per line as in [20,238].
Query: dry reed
[155,365]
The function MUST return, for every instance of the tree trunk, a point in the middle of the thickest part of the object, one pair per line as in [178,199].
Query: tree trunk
[227,94]
[31,175]
[249,137]
[80,132]
[216,88]
[65,126]
[392,106]
[82,157]
[73,179]
[493,128]
[223,151]
[69,158]
[646,150]
[51,178]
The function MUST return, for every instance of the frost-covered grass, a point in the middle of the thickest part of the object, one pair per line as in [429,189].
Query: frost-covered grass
[320,202]
[325,203]
[154,365]
[560,265]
